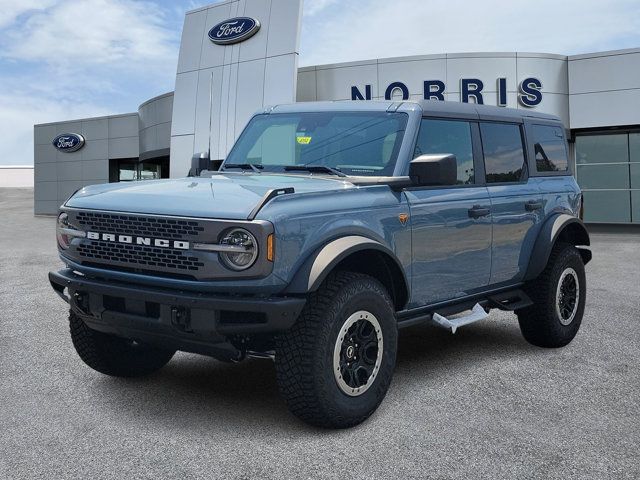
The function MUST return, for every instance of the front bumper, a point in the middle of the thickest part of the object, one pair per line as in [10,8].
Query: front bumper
[189,321]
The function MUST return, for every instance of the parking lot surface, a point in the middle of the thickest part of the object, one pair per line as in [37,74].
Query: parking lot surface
[478,404]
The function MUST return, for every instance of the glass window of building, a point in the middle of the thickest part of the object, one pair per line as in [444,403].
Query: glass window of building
[607,175]
[504,158]
[610,148]
[448,136]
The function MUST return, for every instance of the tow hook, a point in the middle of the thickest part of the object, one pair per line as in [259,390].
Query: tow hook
[81,302]
[181,319]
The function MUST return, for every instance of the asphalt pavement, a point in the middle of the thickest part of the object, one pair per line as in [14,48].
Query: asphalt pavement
[478,404]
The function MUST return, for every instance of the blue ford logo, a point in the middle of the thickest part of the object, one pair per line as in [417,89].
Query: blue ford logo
[68,142]
[234,30]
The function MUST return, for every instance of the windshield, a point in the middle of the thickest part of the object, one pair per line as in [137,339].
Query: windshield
[354,143]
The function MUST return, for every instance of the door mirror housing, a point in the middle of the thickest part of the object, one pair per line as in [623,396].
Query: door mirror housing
[437,169]
[199,163]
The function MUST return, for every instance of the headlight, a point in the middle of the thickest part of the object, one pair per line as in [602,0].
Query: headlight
[242,249]
[65,231]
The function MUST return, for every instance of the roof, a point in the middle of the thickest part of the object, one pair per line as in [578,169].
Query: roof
[487,112]
[428,107]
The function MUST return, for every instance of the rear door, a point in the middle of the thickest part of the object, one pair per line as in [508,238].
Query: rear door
[451,225]
[516,202]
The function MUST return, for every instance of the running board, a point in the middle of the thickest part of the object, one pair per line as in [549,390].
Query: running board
[477,313]
[511,300]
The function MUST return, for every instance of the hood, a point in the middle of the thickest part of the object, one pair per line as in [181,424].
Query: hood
[228,196]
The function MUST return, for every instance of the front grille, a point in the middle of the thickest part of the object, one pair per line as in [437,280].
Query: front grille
[142,253]
[169,228]
[149,258]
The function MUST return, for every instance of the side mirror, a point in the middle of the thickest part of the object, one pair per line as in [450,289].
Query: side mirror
[434,169]
[199,162]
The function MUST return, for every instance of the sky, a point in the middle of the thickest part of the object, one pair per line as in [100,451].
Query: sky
[68,59]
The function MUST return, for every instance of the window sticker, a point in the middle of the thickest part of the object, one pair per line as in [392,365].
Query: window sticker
[304,140]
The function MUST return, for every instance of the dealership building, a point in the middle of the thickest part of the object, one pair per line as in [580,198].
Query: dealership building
[238,57]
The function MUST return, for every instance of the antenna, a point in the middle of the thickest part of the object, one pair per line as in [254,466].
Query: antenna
[210,111]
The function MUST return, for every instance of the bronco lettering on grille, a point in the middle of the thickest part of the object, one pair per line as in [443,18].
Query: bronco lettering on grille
[131,240]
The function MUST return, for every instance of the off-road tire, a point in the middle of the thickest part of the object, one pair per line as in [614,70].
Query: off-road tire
[305,353]
[113,355]
[540,323]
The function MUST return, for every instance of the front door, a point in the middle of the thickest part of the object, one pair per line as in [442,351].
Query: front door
[451,225]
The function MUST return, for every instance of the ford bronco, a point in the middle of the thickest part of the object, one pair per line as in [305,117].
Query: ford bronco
[328,227]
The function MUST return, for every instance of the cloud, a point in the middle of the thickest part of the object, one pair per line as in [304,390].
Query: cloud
[10,10]
[68,59]
[379,28]
[79,33]
[313,7]
[19,113]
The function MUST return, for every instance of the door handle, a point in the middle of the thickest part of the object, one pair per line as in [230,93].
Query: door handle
[532,206]
[477,211]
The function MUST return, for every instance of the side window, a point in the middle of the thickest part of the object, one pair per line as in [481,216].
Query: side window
[448,136]
[550,149]
[504,159]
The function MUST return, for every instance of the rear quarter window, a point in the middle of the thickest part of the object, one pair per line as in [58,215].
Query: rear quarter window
[503,148]
[550,149]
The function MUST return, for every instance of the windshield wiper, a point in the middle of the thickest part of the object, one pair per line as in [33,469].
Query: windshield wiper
[314,168]
[244,166]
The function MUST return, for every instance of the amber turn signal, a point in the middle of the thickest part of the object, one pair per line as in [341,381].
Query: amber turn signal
[270,248]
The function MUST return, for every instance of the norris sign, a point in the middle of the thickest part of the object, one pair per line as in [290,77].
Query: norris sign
[471,90]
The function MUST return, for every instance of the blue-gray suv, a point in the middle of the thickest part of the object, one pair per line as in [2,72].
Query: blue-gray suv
[327,228]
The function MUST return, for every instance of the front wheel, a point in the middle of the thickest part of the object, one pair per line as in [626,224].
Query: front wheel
[335,364]
[558,296]
[115,356]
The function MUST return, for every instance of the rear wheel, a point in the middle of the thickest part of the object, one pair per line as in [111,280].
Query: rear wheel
[115,356]
[559,295]
[335,364]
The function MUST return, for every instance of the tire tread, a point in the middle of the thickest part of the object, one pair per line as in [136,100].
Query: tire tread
[296,354]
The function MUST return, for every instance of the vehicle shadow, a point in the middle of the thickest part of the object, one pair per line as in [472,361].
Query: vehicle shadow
[195,392]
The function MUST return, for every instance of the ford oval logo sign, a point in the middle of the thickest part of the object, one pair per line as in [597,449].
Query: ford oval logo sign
[234,30]
[68,142]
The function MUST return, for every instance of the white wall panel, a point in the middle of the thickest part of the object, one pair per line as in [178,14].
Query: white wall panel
[306,89]
[486,69]
[43,134]
[44,153]
[412,73]
[95,129]
[95,149]
[605,109]
[125,147]
[596,74]
[66,127]
[552,72]
[247,76]
[554,103]
[209,87]
[123,126]
[181,153]
[284,27]
[251,88]
[213,55]
[335,83]
[257,47]
[280,79]
[184,104]
[191,43]
[45,172]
